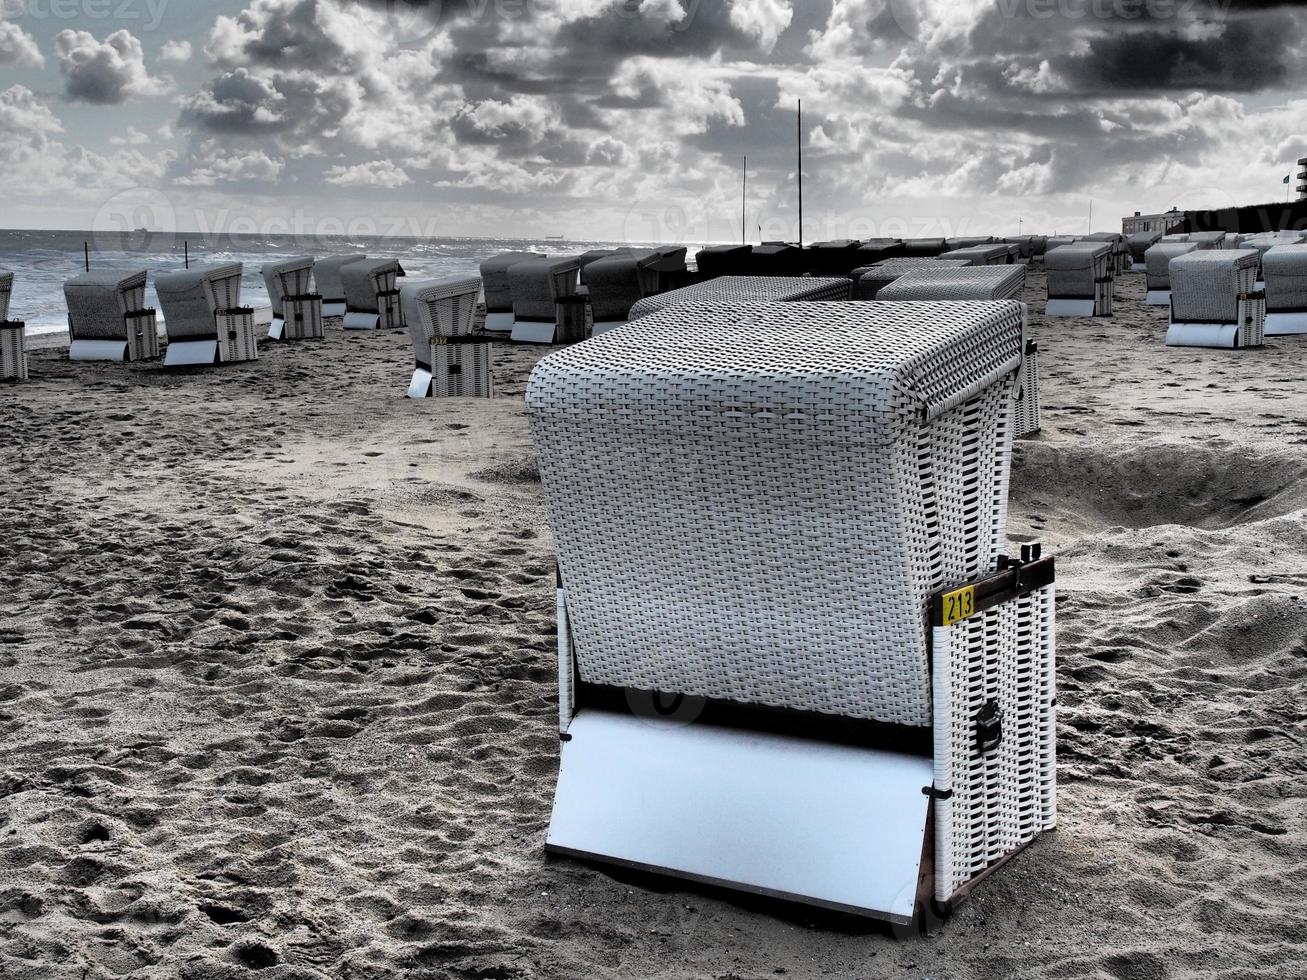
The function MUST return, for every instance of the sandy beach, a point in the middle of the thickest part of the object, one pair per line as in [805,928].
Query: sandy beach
[277,683]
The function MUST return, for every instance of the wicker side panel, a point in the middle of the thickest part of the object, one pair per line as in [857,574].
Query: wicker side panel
[303,317]
[13,352]
[461,371]
[1027,411]
[236,340]
[390,312]
[6,291]
[999,800]
[1252,320]
[142,335]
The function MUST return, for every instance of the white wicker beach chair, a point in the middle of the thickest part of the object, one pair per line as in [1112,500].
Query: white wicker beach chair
[326,278]
[452,361]
[296,309]
[1157,262]
[1079,279]
[1139,243]
[757,510]
[372,294]
[498,293]
[541,289]
[107,319]
[203,317]
[1285,270]
[748,289]
[927,283]
[868,285]
[1213,300]
[13,343]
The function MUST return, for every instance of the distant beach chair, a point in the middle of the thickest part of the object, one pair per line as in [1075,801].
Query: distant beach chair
[617,283]
[1213,300]
[749,289]
[1285,270]
[326,275]
[833,258]
[777,259]
[875,250]
[544,291]
[670,266]
[13,340]
[1208,239]
[723,260]
[498,292]
[924,248]
[793,659]
[1025,247]
[954,244]
[870,282]
[1079,279]
[372,294]
[1139,243]
[1157,269]
[203,317]
[296,310]
[974,282]
[107,318]
[452,361]
[995,253]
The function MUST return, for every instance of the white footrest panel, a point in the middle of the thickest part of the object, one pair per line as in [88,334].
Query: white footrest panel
[191,352]
[499,322]
[1069,307]
[362,321]
[97,350]
[534,331]
[1158,297]
[1202,334]
[333,309]
[275,328]
[1282,324]
[826,824]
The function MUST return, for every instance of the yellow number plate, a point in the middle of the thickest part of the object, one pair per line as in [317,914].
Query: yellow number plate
[959,604]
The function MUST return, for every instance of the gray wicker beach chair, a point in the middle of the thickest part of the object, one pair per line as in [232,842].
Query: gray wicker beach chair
[326,276]
[1139,243]
[545,302]
[1079,279]
[924,248]
[296,309]
[1025,246]
[983,282]
[452,361]
[107,319]
[203,317]
[619,282]
[1157,266]
[1208,239]
[723,260]
[996,253]
[1284,269]
[792,658]
[749,289]
[372,294]
[868,285]
[498,293]
[1213,300]
[13,339]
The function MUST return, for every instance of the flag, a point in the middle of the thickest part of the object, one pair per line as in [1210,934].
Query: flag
[1286,178]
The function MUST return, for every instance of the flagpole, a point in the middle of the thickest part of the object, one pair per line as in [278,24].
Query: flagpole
[800,118]
[744,198]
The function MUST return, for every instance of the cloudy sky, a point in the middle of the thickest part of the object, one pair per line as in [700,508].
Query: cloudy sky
[628,119]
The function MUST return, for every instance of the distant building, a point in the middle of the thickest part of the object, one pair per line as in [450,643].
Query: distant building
[1165,223]
[1302,179]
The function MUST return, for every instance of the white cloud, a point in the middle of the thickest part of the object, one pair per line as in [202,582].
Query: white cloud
[214,164]
[377,173]
[18,49]
[179,51]
[104,72]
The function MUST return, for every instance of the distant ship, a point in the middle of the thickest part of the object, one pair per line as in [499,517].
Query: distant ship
[555,238]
